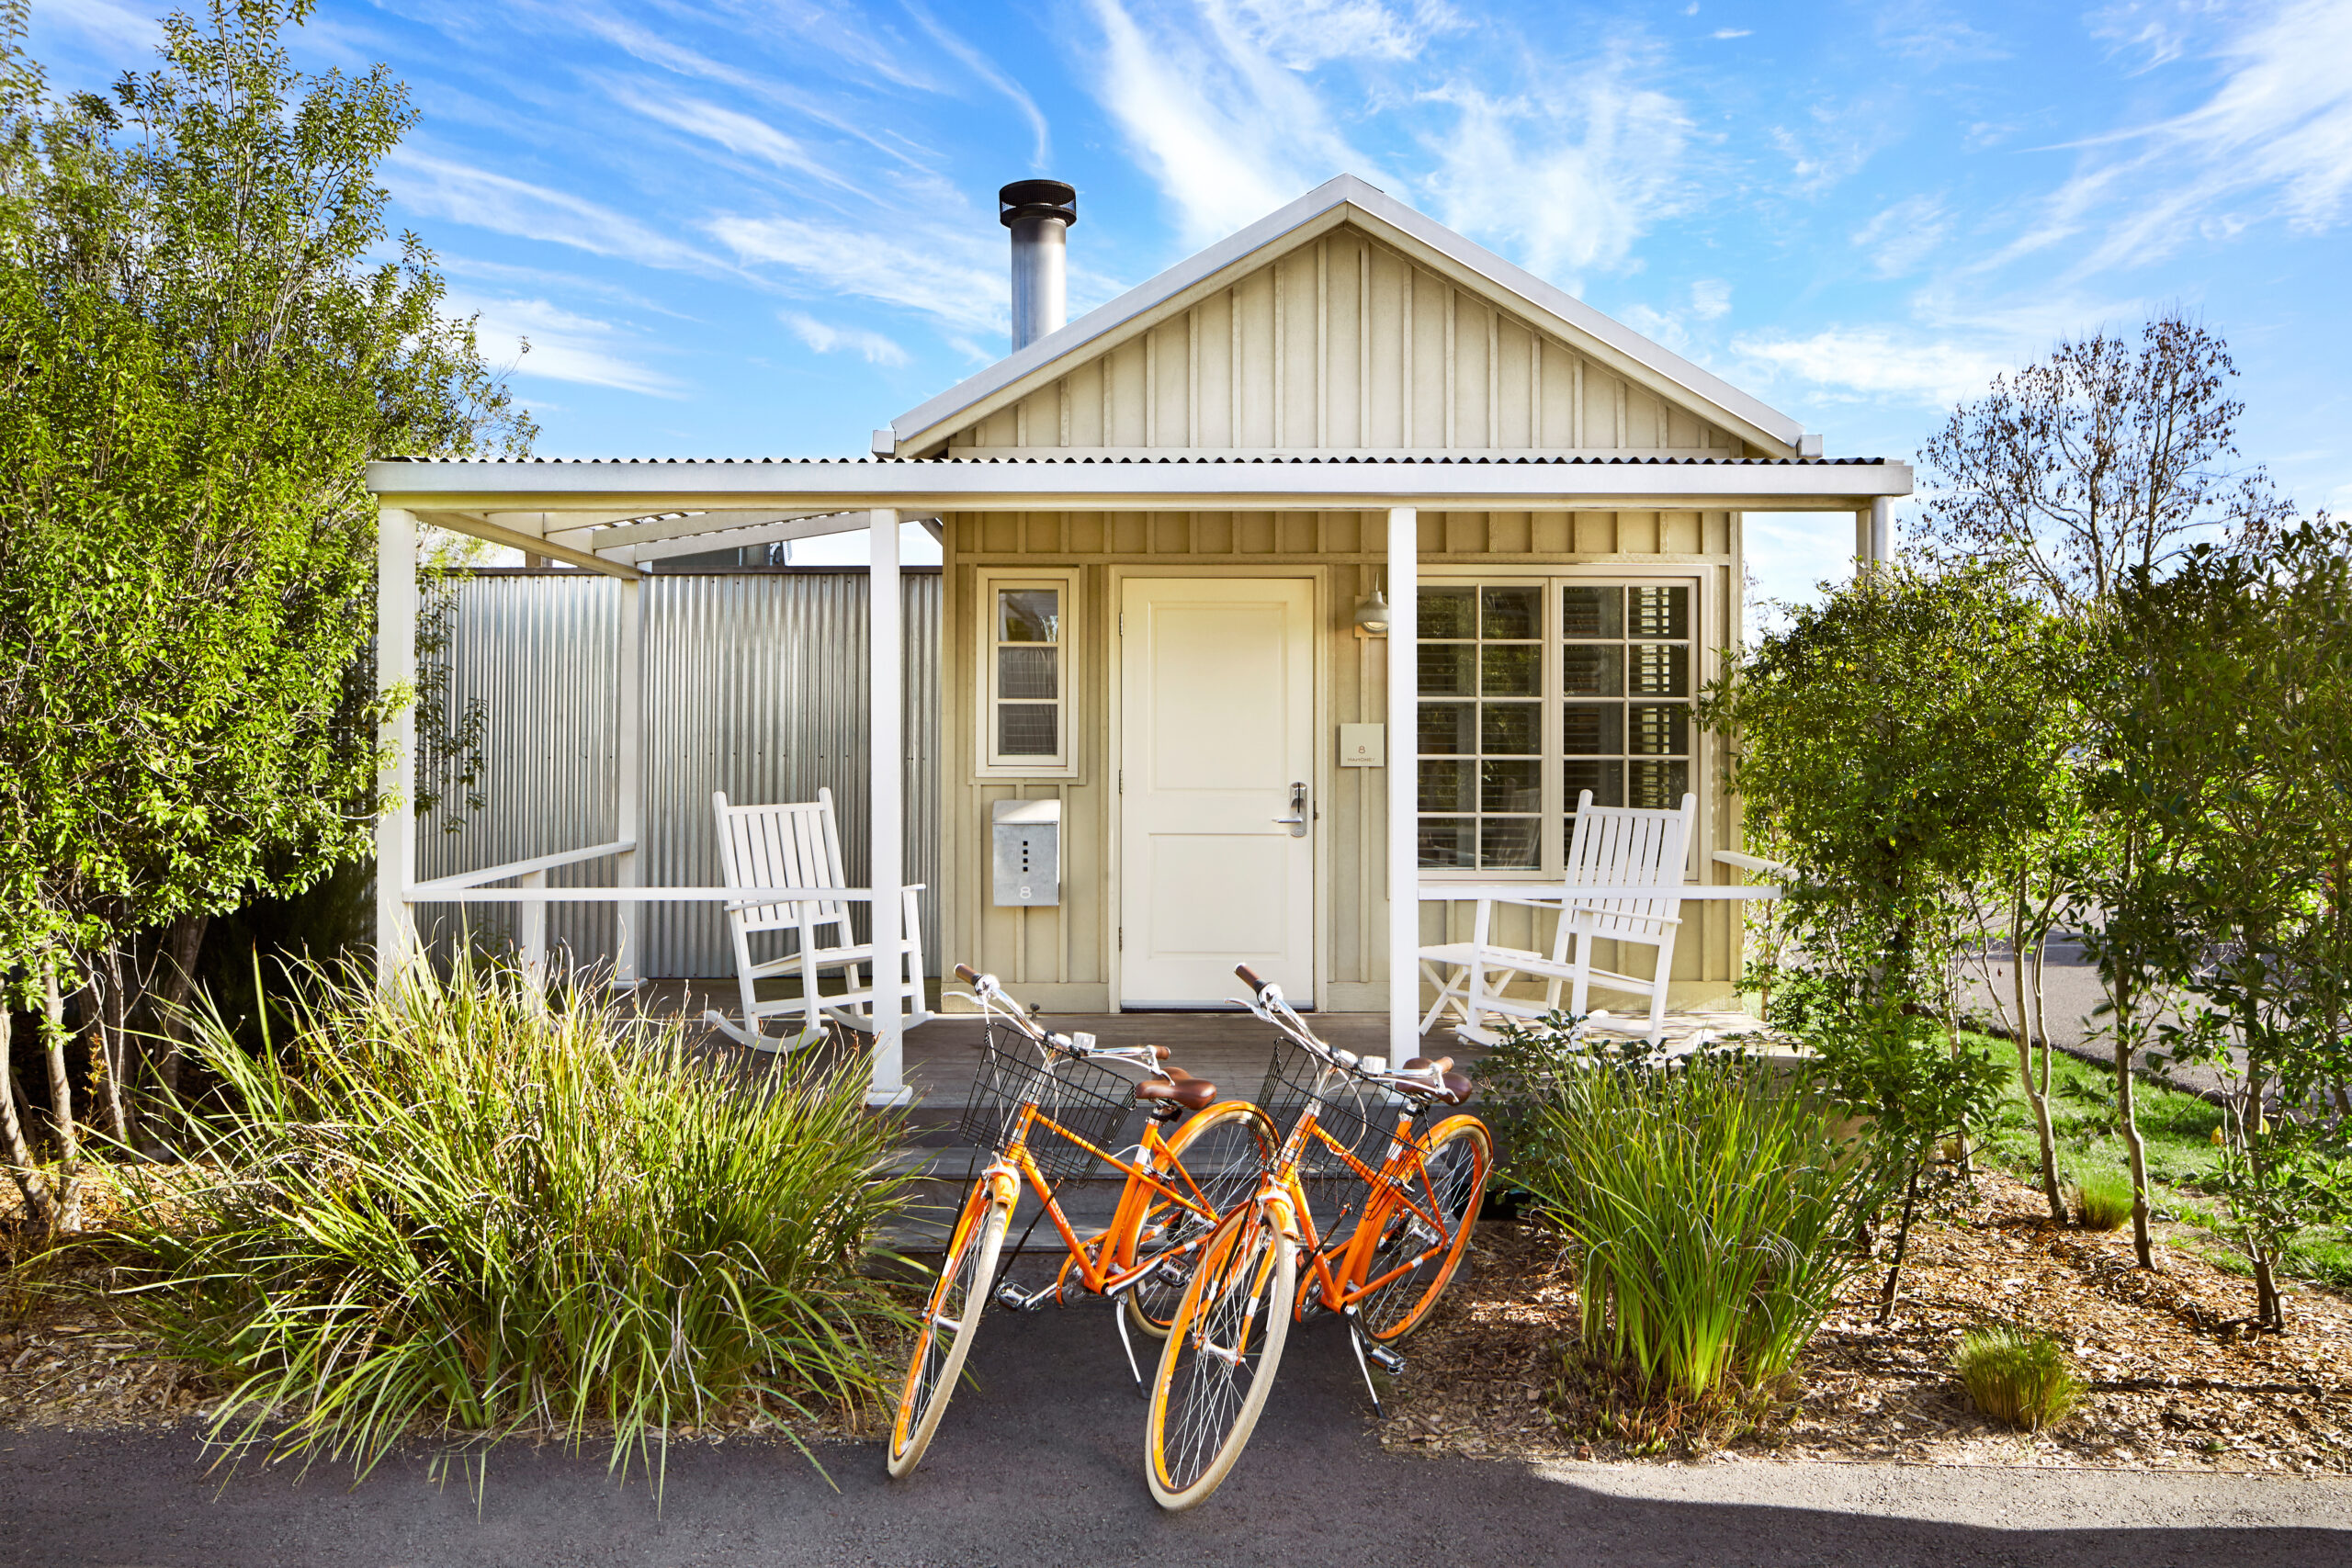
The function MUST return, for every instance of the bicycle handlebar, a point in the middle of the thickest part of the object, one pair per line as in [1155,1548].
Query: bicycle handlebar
[1257,987]
[966,973]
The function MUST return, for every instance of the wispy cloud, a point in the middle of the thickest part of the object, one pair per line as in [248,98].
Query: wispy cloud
[510,206]
[1710,298]
[564,345]
[1568,175]
[2273,140]
[1903,235]
[953,273]
[123,29]
[1847,364]
[738,133]
[824,337]
[1732,33]
[1927,34]
[981,65]
[1301,34]
[1227,131]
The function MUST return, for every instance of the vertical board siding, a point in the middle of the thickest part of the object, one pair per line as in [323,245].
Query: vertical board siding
[1342,344]
[755,684]
[1074,945]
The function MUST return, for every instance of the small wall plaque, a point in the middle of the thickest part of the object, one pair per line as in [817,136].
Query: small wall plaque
[1363,745]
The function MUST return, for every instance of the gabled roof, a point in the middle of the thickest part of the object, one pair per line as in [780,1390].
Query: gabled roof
[1344,199]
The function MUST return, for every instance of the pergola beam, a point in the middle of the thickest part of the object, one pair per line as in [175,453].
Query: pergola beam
[644,528]
[780,530]
[532,544]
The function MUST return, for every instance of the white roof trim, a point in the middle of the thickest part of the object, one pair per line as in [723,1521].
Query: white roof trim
[458,495]
[1347,190]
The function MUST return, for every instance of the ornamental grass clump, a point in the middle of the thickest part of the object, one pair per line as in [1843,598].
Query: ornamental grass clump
[2103,1199]
[1712,1209]
[458,1207]
[2017,1377]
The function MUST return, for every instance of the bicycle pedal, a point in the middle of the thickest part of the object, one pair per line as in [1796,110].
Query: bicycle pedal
[1387,1360]
[1013,1298]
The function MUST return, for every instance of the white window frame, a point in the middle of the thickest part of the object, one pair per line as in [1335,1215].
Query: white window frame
[1552,853]
[1064,763]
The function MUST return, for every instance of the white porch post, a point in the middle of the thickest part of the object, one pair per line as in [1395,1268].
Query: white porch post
[1404,784]
[1874,532]
[628,811]
[396,672]
[887,813]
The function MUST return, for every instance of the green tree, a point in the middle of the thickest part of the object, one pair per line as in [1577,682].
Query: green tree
[1888,744]
[2105,464]
[2236,742]
[198,349]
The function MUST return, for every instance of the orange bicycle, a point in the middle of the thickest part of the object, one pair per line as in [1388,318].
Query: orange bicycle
[1412,1212]
[1178,1184]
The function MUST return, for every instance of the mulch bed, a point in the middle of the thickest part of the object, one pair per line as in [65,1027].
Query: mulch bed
[2176,1380]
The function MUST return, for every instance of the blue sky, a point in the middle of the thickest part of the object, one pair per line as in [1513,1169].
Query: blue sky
[731,228]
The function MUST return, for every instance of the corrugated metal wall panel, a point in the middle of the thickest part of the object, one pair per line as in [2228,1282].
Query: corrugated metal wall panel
[755,684]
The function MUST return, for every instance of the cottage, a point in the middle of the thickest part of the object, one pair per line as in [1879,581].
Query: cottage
[1343,546]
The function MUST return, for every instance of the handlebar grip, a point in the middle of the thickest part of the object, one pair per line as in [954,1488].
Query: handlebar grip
[1248,979]
[966,973]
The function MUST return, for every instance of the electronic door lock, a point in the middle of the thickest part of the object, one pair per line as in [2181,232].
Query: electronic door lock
[1296,820]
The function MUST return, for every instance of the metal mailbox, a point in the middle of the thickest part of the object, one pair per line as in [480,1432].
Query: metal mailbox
[1028,845]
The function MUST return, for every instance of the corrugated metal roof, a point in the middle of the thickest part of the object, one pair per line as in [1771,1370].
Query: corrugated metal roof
[1303,460]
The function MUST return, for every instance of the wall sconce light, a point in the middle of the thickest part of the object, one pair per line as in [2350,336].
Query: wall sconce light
[1372,615]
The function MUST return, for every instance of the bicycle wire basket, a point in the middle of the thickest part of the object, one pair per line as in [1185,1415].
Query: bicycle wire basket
[1360,1117]
[1088,1099]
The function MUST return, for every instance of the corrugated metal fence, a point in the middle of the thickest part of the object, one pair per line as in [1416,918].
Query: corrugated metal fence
[755,684]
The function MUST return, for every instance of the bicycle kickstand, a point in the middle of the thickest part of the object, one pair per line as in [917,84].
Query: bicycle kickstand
[1119,1313]
[1369,1355]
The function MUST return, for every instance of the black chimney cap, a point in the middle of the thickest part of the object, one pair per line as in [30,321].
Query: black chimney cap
[1036,198]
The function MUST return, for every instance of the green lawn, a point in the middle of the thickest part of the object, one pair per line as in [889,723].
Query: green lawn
[2179,1131]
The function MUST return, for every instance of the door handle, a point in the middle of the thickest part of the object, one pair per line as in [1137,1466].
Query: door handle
[1296,820]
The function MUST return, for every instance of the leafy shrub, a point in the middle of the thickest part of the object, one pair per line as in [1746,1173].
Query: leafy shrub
[2103,1199]
[2017,1377]
[1714,1207]
[458,1205]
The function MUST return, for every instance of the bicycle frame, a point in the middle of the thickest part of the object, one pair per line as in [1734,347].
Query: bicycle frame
[1105,1262]
[1098,1269]
[1387,1187]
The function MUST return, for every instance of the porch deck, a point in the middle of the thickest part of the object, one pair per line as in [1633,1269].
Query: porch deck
[1229,1048]
[942,1058]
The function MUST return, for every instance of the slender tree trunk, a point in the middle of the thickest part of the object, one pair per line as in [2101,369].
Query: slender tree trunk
[1902,1243]
[183,943]
[2143,1247]
[2036,1097]
[29,1184]
[61,1091]
[2270,1307]
[109,1016]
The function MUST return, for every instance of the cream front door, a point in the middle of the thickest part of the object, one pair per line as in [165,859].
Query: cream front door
[1216,750]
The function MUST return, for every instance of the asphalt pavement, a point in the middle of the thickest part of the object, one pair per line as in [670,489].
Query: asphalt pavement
[1041,1465]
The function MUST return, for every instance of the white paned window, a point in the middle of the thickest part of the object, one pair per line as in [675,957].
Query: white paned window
[1025,653]
[1534,690]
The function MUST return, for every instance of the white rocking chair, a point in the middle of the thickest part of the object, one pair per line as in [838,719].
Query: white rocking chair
[800,845]
[1613,846]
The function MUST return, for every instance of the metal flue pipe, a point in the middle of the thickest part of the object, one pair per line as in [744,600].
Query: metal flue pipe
[1039,213]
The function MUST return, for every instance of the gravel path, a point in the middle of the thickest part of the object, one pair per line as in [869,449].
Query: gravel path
[1040,1466]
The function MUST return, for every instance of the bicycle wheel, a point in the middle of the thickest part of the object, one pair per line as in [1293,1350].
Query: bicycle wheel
[1455,1155]
[1218,1363]
[1224,1150]
[951,1320]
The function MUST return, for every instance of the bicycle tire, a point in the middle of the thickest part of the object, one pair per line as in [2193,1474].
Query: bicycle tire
[1456,1157]
[1205,1405]
[958,1302]
[1151,1305]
